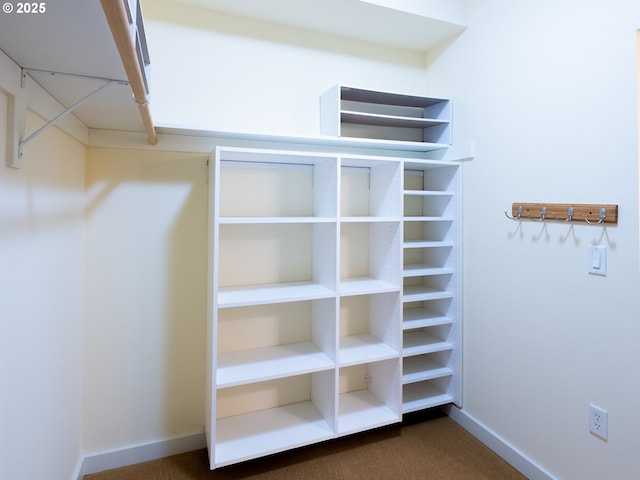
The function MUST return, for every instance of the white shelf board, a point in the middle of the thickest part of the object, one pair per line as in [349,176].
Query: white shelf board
[425,270]
[365,219]
[366,118]
[417,369]
[251,435]
[275,293]
[185,131]
[427,244]
[273,220]
[357,349]
[421,341]
[421,395]
[427,219]
[241,367]
[422,318]
[361,410]
[420,293]
[362,286]
[427,193]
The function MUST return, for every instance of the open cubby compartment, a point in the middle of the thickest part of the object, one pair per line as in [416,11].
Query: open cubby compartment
[429,393]
[427,366]
[428,287]
[262,418]
[269,183]
[434,176]
[431,230]
[370,328]
[272,263]
[370,187]
[428,340]
[369,396]
[429,205]
[370,257]
[435,260]
[264,342]
[354,112]
[428,313]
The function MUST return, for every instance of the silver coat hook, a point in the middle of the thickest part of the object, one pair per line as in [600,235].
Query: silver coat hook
[569,215]
[602,214]
[518,214]
[543,215]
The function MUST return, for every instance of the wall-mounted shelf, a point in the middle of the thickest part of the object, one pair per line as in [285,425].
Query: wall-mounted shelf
[357,113]
[592,213]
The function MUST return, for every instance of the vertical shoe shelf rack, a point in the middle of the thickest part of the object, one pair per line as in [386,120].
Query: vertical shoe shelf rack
[333,281]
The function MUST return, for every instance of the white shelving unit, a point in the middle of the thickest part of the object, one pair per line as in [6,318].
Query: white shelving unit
[334,280]
[306,305]
[431,317]
[357,113]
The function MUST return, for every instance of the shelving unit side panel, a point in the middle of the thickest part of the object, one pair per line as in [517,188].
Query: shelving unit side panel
[330,112]
[324,326]
[386,318]
[212,303]
[385,258]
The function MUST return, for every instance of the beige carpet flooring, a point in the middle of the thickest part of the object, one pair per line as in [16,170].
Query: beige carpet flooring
[425,448]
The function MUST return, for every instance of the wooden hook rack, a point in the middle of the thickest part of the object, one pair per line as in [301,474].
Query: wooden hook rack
[592,213]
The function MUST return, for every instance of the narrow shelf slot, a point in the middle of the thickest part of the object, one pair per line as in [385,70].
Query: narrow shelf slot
[427,314]
[421,395]
[423,367]
[419,342]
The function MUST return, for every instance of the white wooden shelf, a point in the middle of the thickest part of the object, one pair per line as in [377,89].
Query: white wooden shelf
[361,410]
[363,285]
[426,270]
[421,368]
[276,293]
[420,293]
[421,395]
[422,341]
[357,113]
[364,118]
[364,348]
[421,318]
[273,220]
[264,432]
[238,368]
[427,244]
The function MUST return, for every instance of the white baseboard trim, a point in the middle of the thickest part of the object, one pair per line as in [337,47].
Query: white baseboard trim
[143,452]
[500,446]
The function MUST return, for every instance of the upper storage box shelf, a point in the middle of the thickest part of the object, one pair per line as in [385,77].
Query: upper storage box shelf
[367,114]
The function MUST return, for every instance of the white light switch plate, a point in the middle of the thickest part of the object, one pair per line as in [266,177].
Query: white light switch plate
[597,260]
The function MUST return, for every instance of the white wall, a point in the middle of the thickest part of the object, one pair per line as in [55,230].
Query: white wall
[146,237]
[41,304]
[548,91]
[222,72]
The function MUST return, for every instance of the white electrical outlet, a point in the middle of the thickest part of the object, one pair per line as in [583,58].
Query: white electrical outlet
[598,421]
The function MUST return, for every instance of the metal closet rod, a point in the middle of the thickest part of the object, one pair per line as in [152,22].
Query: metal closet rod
[591,213]
[116,14]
